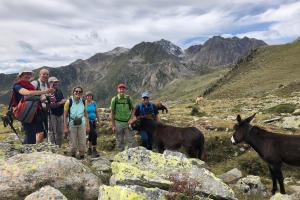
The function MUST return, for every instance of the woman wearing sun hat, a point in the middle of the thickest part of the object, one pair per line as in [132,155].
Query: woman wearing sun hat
[23,87]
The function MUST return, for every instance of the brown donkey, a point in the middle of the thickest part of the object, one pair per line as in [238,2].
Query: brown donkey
[273,148]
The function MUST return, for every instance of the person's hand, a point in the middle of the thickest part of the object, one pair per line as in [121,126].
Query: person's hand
[62,101]
[87,129]
[50,91]
[114,129]
[97,123]
[66,130]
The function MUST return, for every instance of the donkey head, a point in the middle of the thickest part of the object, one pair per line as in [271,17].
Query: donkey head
[241,129]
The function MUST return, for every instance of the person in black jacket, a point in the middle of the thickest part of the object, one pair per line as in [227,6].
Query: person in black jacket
[55,115]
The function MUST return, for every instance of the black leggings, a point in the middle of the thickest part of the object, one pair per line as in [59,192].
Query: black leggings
[93,134]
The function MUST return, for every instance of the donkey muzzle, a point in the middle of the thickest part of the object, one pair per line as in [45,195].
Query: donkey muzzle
[232,140]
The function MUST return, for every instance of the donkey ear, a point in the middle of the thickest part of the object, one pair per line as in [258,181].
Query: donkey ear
[239,119]
[249,119]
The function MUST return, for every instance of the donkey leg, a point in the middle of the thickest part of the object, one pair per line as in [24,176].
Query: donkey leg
[274,180]
[280,179]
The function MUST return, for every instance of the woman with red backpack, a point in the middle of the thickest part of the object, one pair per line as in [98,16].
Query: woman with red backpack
[21,89]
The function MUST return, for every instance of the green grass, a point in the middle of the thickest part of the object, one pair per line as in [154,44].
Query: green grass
[282,108]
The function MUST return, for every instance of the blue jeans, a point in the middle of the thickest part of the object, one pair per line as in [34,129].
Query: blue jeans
[146,140]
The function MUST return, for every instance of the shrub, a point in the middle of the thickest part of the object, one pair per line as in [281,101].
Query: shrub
[282,108]
[195,112]
[182,188]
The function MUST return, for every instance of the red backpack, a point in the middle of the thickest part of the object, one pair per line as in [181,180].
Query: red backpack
[26,109]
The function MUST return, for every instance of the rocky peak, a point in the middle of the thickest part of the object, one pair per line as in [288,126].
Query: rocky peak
[170,47]
[117,51]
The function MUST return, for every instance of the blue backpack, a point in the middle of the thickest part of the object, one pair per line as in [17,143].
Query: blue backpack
[146,110]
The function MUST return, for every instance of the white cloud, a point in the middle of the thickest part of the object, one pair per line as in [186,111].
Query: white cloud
[35,33]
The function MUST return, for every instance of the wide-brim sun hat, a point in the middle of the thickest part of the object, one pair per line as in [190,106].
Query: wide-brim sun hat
[25,71]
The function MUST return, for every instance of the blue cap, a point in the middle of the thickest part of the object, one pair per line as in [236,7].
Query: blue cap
[145,94]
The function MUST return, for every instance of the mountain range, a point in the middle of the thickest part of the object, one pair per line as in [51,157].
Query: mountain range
[146,66]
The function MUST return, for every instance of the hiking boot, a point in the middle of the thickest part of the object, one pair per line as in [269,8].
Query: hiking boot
[81,157]
[89,152]
[95,153]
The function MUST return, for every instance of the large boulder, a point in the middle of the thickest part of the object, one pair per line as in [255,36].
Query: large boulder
[251,185]
[138,166]
[46,193]
[23,174]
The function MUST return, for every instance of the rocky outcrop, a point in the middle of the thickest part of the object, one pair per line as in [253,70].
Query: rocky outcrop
[23,174]
[138,166]
[46,193]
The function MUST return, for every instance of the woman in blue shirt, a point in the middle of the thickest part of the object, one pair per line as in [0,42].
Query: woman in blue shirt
[94,120]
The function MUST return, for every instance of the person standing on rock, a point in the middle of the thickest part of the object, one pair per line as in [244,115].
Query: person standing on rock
[76,122]
[56,123]
[42,84]
[23,87]
[121,107]
[146,109]
[94,120]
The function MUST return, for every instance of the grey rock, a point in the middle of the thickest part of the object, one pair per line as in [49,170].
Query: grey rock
[23,174]
[139,166]
[295,188]
[251,185]
[231,176]
[46,193]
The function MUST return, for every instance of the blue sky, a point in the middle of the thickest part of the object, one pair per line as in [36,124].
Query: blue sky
[54,33]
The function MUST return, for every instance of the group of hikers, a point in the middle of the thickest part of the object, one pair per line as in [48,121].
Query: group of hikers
[77,116]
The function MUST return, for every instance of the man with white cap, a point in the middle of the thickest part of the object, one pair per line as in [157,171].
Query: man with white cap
[146,109]
[56,125]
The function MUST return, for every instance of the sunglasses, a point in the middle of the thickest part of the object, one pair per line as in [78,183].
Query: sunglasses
[145,97]
[78,91]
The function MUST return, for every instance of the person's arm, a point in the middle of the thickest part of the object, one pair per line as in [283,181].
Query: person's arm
[66,120]
[97,115]
[25,92]
[132,112]
[112,114]
[155,112]
[87,124]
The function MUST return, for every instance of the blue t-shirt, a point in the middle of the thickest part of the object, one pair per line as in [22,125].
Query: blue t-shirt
[91,110]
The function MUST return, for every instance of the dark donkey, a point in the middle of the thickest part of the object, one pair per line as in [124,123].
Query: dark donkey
[161,107]
[273,148]
[171,137]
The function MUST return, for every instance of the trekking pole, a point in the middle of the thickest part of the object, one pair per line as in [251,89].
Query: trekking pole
[50,126]
[7,120]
